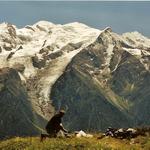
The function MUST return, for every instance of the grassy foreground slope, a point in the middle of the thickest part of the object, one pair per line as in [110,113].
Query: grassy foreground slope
[33,143]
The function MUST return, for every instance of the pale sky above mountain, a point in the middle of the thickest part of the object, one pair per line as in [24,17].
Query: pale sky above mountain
[120,16]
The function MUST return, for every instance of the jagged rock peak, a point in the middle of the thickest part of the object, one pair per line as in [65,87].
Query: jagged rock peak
[107,29]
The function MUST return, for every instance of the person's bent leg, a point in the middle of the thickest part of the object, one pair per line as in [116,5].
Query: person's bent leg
[43,137]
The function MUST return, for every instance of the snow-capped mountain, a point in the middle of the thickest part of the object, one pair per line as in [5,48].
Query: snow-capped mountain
[94,74]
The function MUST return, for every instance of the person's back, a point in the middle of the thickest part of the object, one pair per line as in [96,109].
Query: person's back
[53,126]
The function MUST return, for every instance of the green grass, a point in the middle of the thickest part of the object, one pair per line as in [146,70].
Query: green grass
[107,143]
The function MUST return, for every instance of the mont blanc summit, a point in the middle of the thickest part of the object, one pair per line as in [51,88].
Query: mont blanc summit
[100,77]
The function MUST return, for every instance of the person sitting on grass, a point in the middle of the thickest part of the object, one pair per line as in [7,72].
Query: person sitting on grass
[54,126]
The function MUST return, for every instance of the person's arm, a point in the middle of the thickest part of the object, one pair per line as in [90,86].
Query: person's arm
[62,128]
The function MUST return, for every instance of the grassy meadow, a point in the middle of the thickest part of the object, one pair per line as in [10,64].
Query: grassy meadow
[107,143]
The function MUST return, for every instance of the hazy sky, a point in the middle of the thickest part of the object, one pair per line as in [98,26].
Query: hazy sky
[120,16]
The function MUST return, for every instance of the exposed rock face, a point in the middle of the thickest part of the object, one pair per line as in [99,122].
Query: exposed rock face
[16,117]
[100,77]
[106,84]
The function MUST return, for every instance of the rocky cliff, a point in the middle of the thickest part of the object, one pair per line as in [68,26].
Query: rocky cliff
[16,116]
[106,84]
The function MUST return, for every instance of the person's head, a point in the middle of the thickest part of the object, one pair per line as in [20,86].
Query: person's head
[61,112]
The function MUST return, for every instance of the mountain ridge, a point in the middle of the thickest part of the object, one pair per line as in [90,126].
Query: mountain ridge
[74,56]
